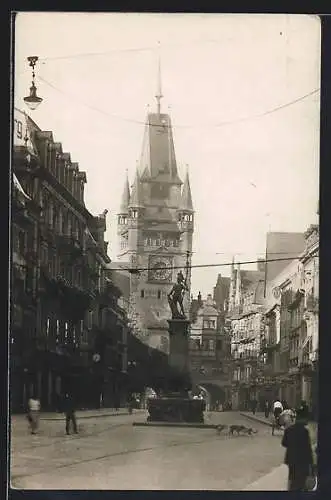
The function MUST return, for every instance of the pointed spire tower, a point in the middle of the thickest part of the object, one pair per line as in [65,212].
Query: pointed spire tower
[159,94]
[136,199]
[232,286]
[238,288]
[122,220]
[186,200]
[124,207]
[185,211]
[158,159]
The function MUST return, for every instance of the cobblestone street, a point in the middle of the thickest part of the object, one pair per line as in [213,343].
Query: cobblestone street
[110,453]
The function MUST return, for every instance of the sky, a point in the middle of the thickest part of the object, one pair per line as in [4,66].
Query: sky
[235,87]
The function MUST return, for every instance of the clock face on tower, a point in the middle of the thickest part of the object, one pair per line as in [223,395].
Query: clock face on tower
[160,269]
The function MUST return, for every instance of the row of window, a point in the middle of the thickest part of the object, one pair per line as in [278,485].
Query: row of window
[62,220]
[157,242]
[150,293]
[208,345]
[63,333]
[209,324]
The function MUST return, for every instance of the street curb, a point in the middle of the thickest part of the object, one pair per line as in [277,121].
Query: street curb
[256,419]
[95,415]
[174,424]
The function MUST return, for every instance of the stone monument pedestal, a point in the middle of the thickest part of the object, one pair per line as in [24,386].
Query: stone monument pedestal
[175,405]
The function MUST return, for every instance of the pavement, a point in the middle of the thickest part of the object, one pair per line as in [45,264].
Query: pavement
[259,417]
[276,480]
[103,412]
[112,454]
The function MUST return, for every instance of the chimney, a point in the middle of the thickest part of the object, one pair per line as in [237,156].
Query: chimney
[261,265]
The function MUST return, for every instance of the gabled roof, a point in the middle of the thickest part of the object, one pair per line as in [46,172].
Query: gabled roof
[208,311]
[282,246]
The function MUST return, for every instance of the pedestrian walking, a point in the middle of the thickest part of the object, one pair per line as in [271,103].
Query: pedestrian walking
[266,409]
[69,410]
[298,455]
[33,413]
[254,406]
[277,409]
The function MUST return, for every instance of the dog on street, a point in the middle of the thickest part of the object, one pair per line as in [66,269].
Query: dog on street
[241,429]
[220,428]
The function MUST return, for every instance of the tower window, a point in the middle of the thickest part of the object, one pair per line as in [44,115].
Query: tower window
[142,293]
[159,294]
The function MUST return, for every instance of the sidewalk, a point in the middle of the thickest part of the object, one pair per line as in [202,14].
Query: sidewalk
[104,412]
[276,480]
[312,427]
[259,417]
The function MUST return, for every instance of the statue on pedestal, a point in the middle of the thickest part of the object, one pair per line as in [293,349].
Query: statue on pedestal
[176,296]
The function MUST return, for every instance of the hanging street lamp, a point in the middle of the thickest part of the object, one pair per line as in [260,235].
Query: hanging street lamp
[32,100]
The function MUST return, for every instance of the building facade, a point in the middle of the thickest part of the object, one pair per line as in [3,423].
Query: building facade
[60,300]
[309,343]
[155,230]
[291,342]
[209,350]
[247,325]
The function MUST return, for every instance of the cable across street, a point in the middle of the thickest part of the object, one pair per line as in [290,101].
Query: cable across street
[137,270]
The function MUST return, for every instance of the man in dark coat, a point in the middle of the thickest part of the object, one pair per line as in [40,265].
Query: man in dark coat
[298,456]
[69,410]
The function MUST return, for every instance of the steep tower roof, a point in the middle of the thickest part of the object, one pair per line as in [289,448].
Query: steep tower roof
[125,196]
[186,202]
[136,199]
[158,159]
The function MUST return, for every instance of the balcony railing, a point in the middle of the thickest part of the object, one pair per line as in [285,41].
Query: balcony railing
[202,353]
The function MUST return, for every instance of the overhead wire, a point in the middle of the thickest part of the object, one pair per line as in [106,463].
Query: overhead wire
[165,125]
[137,270]
[151,48]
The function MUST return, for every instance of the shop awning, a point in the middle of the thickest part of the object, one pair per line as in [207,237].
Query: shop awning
[19,187]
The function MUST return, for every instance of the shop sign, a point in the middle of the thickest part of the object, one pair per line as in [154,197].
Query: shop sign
[22,131]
